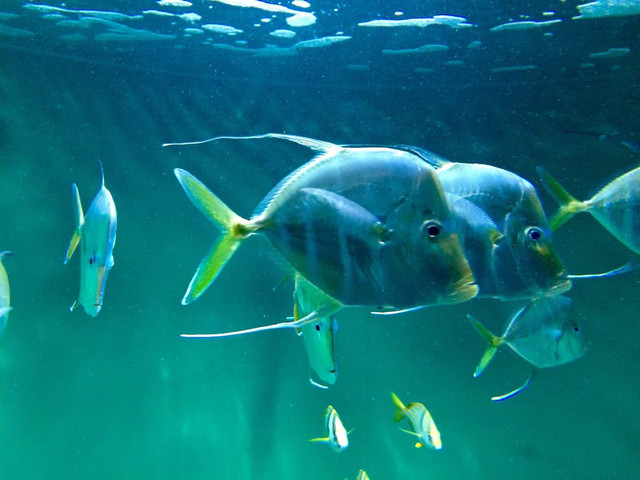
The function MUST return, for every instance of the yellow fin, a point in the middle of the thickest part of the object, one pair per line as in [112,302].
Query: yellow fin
[79,216]
[569,206]
[400,408]
[234,230]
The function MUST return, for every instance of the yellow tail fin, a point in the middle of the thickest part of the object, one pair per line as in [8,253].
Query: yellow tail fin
[400,408]
[569,206]
[234,230]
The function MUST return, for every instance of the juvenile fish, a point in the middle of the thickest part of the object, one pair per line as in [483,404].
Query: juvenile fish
[422,425]
[96,234]
[616,207]
[318,335]
[547,332]
[5,297]
[337,437]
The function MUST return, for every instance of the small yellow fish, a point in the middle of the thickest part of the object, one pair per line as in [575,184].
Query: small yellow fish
[337,438]
[421,422]
[4,294]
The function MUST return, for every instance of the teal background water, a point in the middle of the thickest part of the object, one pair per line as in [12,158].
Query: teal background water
[123,396]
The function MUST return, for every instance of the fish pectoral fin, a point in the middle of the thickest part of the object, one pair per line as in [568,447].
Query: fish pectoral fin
[73,307]
[79,217]
[569,206]
[513,393]
[410,432]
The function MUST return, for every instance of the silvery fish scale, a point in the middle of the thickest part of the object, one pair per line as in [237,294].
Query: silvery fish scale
[358,227]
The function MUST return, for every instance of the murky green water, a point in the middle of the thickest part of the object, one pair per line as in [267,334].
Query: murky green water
[123,396]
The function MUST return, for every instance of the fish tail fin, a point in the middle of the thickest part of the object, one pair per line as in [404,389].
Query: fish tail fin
[234,230]
[79,216]
[494,343]
[569,206]
[400,408]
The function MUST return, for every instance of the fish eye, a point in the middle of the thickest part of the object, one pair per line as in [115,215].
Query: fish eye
[534,233]
[432,229]
[92,259]
[317,327]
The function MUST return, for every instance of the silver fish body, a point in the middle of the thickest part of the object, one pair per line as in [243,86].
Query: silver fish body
[96,234]
[368,226]
[547,332]
[519,262]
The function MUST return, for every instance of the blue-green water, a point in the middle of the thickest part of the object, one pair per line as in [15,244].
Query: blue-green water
[122,396]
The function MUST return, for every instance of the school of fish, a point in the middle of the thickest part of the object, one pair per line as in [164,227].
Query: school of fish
[393,229]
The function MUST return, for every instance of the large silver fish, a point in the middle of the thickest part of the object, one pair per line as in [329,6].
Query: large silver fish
[507,238]
[96,234]
[547,332]
[369,226]
[616,206]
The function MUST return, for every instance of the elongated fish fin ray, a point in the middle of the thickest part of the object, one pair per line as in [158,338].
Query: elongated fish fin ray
[234,230]
[101,174]
[569,206]
[321,440]
[79,216]
[317,145]
[513,393]
[312,143]
[6,253]
[400,408]
[627,267]
[398,312]
[433,159]
[276,326]
[494,343]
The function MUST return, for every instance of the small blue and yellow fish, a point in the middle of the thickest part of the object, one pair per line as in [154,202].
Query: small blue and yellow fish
[96,234]
[337,435]
[547,332]
[5,297]
[362,475]
[422,425]
[616,207]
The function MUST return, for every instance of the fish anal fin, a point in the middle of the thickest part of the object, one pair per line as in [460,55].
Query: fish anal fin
[513,393]
[320,440]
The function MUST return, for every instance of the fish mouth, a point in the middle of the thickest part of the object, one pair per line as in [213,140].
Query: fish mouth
[563,285]
[463,290]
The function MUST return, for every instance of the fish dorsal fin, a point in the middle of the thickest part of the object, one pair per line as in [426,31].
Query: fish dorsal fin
[317,145]
[433,159]
[101,174]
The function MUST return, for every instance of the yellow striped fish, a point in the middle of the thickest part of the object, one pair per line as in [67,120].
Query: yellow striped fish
[337,434]
[422,425]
